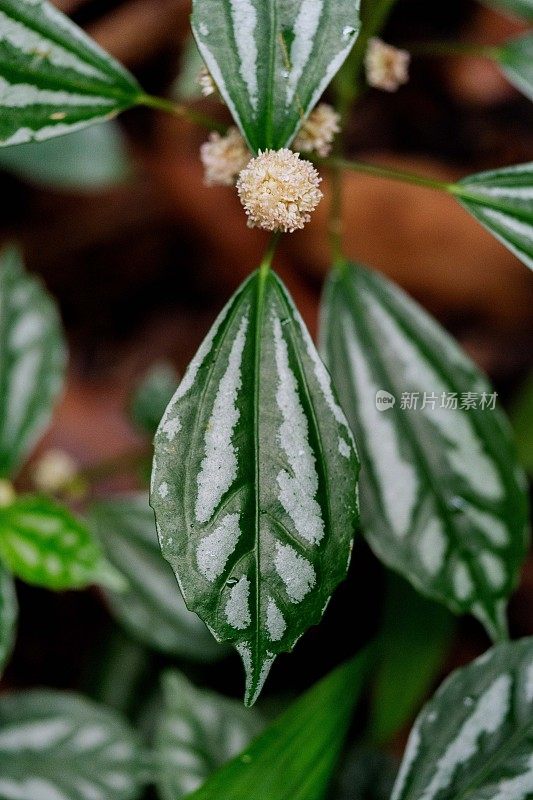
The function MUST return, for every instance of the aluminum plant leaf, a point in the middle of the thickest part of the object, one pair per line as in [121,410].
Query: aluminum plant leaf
[272,60]
[42,543]
[294,758]
[8,615]
[516,8]
[198,732]
[443,500]
[151,608]
[54,79]
[254,479]
[60,746]
[474,739]
[502,201]
[32,361]
[516,60]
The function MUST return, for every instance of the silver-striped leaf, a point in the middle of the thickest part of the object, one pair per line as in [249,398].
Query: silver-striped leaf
[295,756]
[515,8]
[44,544]
[32,361]
[474,739]
[60,746]
[502,201]
[443,500]
[8,615]
[151,608]
[198,732]
[272,60]
[516,60]
[254,479]
[54,79]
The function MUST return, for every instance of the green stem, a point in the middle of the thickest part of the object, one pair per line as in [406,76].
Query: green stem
[182,112]
[390,174]
[266,263]
[454,49]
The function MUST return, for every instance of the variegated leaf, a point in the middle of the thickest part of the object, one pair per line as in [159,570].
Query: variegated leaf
[152,396]
[53,78]
[272,60]
[198,732]
[516,8]
[443,500]
[32,361]
[502,200]
[254,479]
[516,61]
[59,746]
[8,615]
[151,608]
[474,739]
[42,543]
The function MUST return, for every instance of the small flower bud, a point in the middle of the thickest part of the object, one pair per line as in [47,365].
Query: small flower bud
[387,67]
[7,493]
[318,131]
[224,157]
[54,471]
[207,84]
[279,191]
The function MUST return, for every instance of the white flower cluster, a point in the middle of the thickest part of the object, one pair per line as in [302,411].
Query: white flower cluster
[207,84]
[318,131]
[279,191]
[387,67]
[224,157]
[54,471]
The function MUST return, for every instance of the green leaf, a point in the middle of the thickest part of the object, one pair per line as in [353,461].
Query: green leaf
[32,361]
[474,739]
[8,615]
[443,500]
[272,61]
[198,732]
[59,746]
[502,200]
[521,414]
[516,61]
[53,78]
[254,479]
[414,638]
[91,159]
[151,608]
[42,543]
[516,8]
[293,759]
[187,86]
[152,396]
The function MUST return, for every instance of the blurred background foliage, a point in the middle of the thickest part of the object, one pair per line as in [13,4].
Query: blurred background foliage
[140,256]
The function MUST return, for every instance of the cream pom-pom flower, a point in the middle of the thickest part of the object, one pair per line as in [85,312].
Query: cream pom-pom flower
[54,471]
[279,191]
[206,82]
[224,157]
[387,67]
[318,131]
